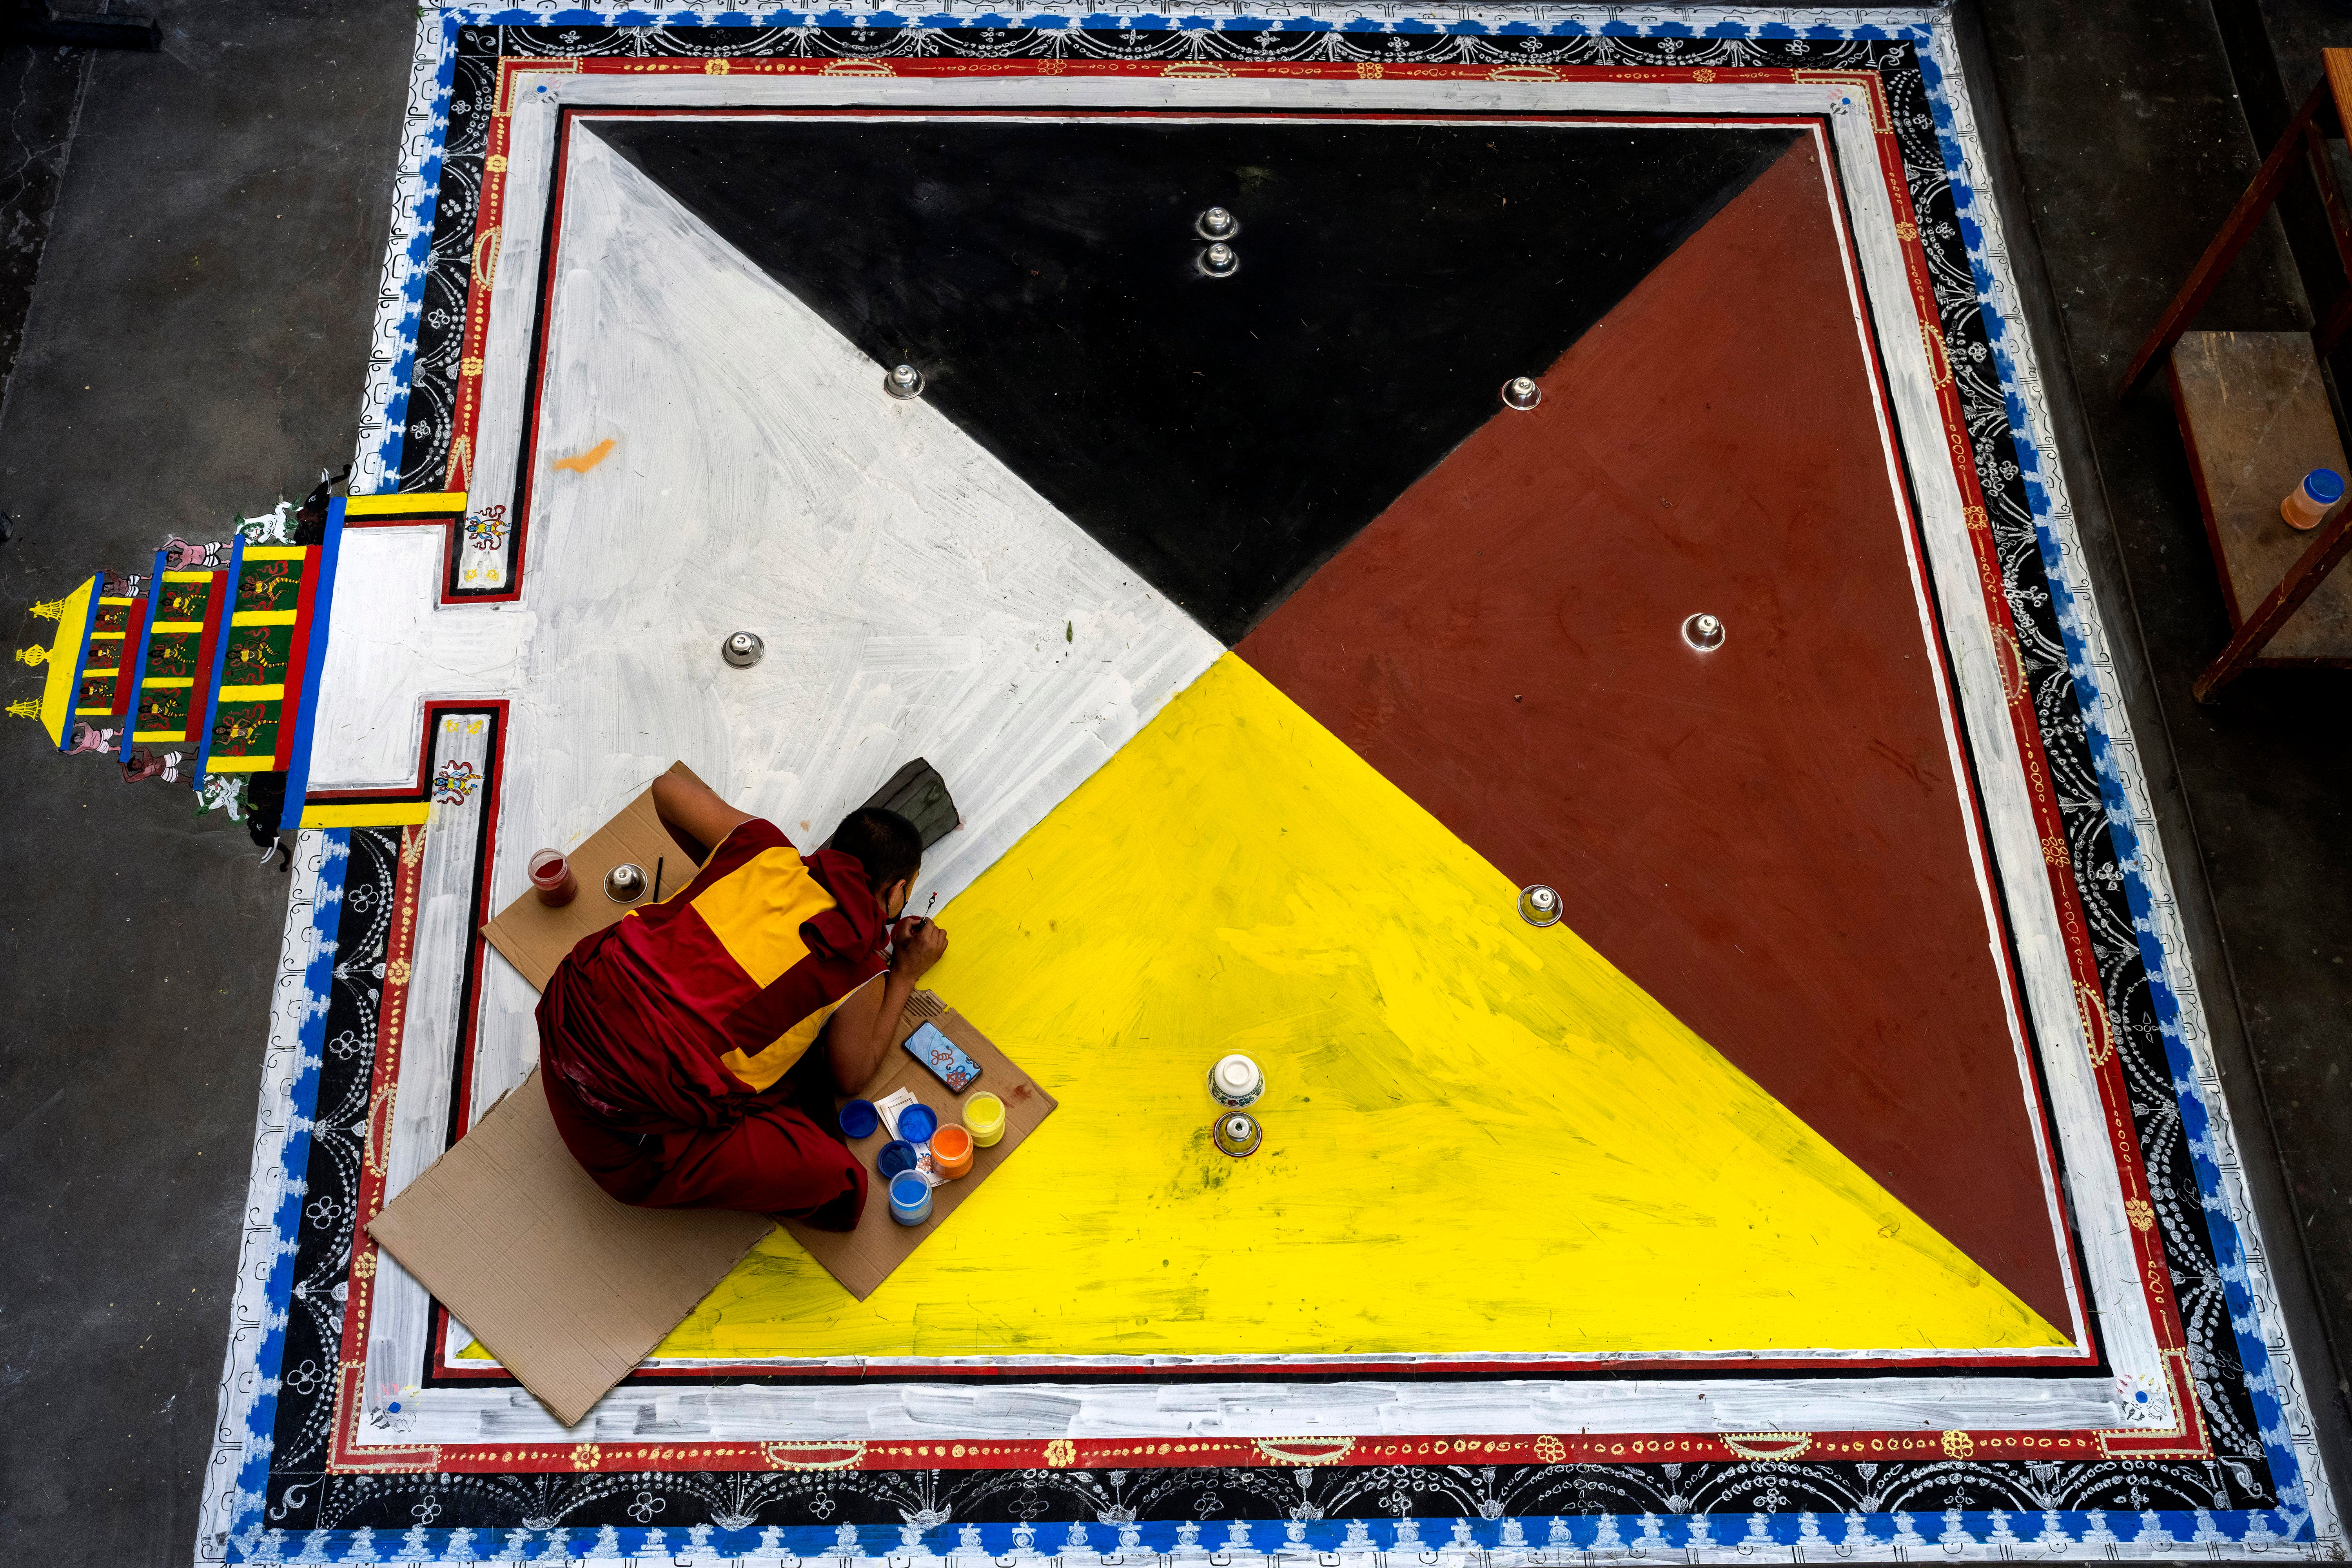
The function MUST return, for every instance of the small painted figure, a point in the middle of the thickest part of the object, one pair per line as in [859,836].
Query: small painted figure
[144,765]
[87,740]
[692,1059]
[179,555]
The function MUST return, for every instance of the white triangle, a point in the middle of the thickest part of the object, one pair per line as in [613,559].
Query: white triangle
[914,596]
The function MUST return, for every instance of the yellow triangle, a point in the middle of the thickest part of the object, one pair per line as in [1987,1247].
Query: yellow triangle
[1480,1136]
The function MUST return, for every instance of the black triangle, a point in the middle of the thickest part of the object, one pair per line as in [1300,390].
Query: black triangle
[1224,437]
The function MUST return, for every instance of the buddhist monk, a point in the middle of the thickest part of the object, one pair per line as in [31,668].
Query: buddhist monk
[691,1049]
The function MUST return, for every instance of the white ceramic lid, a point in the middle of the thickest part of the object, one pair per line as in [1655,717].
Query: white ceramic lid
[1237,1075]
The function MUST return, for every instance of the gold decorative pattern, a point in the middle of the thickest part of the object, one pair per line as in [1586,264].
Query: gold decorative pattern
[1303,1450]
[2141,1212]
[812,1456]
[1769,1446]
[33,655]
[1550,1449]
[1959,1445]
[1060,1452]
[2098,1031]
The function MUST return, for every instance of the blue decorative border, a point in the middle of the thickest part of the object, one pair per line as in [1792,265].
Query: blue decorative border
[294,1160]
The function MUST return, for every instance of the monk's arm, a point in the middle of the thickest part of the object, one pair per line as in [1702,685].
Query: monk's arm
[863,1027]
[694,815]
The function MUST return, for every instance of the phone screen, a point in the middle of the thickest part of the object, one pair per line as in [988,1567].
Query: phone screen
[946,1060]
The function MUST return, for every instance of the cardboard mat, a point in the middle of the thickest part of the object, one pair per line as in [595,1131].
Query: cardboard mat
[862,1258]
[535,938]
[568,1287]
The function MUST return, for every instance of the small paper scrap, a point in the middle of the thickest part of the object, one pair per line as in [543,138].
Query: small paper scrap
[891,1104]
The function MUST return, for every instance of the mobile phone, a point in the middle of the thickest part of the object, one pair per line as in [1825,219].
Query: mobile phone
[944,1058]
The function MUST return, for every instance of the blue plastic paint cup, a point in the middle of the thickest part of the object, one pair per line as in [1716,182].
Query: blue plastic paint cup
[859,1119]
[897,1155]
[918,1122]
[911,1198]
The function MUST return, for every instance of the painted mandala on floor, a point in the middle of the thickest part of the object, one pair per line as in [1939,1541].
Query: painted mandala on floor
[2236,1475]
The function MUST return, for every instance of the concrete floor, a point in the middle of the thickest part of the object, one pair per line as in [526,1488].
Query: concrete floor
[195,345]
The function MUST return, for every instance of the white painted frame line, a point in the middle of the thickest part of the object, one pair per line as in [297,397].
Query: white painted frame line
[1036,1410]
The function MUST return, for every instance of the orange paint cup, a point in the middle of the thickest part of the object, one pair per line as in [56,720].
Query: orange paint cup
[951,1151]
[983,1118]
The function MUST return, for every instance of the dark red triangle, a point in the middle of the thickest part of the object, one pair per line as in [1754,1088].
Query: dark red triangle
[1769,840]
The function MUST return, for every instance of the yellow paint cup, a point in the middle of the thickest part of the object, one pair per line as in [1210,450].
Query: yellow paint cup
[983,1118]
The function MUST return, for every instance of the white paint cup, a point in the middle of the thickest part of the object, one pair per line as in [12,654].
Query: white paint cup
[1235,1082]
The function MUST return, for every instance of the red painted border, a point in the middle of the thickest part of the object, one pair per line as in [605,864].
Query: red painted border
[2187,1441]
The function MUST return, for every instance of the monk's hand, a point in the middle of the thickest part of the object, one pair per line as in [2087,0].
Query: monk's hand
[915,944]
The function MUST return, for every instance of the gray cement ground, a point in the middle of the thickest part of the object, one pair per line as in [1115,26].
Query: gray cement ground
[194,348]
[195,345]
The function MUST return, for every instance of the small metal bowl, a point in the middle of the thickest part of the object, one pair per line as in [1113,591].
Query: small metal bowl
[1237,1134]
[625,883]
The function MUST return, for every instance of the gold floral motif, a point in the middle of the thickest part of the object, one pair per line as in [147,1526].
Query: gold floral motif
[1369,70]
[586,1456]
[1060,1452]
[1550,1449]
[1959,1445]
[2141,1212]
[496,162]
[1703,74]
[469,367]
[363,1265]
[716,67]
[1908,231]
[396,972]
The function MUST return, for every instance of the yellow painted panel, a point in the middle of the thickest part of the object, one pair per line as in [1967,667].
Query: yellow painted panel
[276,552]
[756,912]
[106,637]
[1480,1136]
[161,735]
[64,653]
[258,765]
[253,694]
[360,814]
[189,577]
[263,618]
[178,626]
[402,505]
[86,712]
[168,682]
[777,1058]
